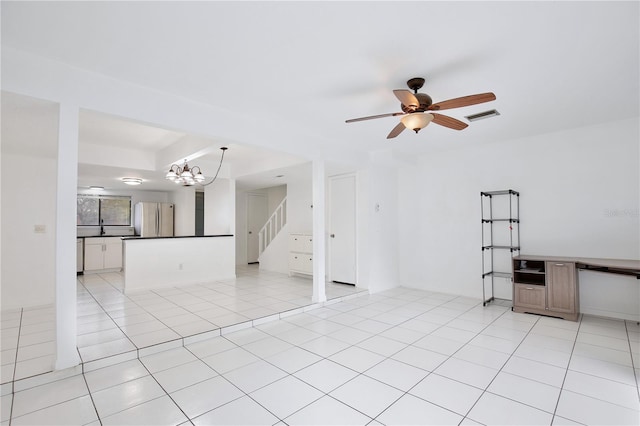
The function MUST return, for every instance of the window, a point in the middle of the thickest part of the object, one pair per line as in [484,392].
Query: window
[104,210]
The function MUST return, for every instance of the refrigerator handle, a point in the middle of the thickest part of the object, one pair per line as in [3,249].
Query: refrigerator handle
[157,220]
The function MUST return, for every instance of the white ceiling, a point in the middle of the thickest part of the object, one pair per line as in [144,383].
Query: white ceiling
[306,67]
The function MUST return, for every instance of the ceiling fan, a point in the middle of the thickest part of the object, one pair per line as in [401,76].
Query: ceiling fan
[415,106]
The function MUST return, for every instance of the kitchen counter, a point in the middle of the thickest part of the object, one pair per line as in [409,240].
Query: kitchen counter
[137,237]
[158,262]
[107,236]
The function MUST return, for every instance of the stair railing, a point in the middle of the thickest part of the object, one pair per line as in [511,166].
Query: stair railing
[274,225]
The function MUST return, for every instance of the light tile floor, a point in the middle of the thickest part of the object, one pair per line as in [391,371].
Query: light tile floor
[112,323]
[399,357]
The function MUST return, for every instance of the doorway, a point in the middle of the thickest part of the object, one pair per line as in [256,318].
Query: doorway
[257,210]
[199,213]
[342,219]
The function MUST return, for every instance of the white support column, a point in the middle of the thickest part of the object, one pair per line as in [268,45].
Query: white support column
[67,187]
[319,279]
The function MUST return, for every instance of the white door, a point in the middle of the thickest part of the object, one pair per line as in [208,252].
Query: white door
[342,230]
[256,218]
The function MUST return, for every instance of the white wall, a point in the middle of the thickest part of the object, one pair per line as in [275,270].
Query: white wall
[579,197]
[28,262]
[219,205]
[377,218]
[275,195]
[363,238]
[184,211]
[241,228]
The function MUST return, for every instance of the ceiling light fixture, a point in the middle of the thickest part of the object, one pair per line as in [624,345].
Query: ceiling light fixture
[189,176]
[132,180]
[416,121]
[96,188]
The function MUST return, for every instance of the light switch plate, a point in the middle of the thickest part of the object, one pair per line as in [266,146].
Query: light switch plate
[39,229]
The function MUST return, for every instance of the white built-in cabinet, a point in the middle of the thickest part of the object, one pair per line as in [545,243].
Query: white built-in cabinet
[300,254]
[102,253]
[79,254]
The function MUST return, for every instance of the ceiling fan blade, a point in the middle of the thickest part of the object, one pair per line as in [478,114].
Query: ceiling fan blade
[449,122]
[406,98]
[396,130]
[463,101]
[372,117]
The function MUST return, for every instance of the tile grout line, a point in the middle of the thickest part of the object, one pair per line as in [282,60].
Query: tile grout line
[633,367]
[601,377]
[15,366]
[485,390]
[292,374]
[240,346]
[288,374]
[452,357]
[233,384]
[344,326]
[181,339]
[106,313]
[93,403]
[566,371]
[359,374]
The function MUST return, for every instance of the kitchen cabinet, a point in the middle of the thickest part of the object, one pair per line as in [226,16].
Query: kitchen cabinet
[102,253]
[79,255]
[545,286]
[301,254]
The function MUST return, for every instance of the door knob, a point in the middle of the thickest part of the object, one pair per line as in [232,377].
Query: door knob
[250,232]
[332,235]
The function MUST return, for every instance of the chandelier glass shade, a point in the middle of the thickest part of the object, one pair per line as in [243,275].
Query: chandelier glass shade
[416,121]
[186,175]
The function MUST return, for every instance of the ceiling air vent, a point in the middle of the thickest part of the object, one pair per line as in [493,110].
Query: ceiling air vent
[482,115]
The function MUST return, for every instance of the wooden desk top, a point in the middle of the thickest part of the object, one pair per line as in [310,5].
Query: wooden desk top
[619,264]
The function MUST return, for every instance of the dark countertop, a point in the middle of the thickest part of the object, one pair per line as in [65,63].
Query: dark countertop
[104,236]
[128,238]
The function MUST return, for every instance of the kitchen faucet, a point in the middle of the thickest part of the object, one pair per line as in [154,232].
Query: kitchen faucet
[101,226]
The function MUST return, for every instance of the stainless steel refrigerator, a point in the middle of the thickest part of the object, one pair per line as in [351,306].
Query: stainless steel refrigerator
[153,219]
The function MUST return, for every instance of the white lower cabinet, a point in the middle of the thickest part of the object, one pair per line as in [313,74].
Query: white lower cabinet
[300,254]
[102,253]
[79,254]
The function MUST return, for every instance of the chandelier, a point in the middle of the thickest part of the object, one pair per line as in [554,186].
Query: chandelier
[186,175]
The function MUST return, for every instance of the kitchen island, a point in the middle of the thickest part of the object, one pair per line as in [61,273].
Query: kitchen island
[160,262]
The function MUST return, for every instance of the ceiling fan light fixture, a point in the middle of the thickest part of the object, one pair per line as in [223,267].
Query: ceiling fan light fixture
[416,121]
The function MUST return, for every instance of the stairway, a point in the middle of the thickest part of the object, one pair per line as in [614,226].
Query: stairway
[274,225]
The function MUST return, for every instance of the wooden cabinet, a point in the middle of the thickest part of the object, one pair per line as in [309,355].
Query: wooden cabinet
[546,286]
[561,287]
[301,254]
[529,296]
[102,253]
